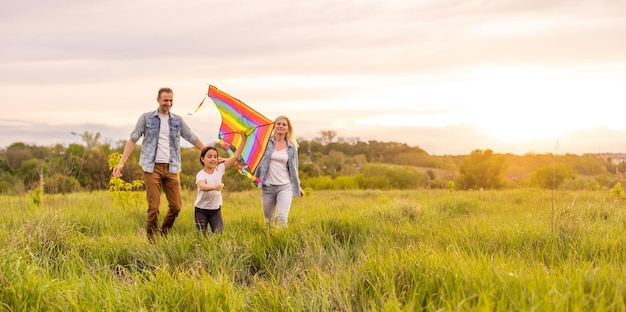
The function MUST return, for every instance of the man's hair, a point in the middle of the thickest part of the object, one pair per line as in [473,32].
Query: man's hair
[164,90]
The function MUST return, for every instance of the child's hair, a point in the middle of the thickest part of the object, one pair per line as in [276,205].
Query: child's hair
[204,151]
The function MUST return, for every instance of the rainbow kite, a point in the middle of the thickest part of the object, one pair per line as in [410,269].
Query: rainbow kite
[238,118]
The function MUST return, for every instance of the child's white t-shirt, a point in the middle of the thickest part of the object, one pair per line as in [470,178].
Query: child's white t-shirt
[210,199]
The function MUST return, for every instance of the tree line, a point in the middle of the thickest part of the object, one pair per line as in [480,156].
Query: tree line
[326,162]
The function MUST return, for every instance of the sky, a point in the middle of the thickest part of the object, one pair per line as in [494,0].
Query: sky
[448,76]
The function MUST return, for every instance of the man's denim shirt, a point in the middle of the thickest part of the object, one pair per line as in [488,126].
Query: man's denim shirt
[148,126]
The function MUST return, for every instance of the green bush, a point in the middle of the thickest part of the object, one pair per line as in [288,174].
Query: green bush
[63,184]
[618,191]
[328,183]
[552,176]
[381,176]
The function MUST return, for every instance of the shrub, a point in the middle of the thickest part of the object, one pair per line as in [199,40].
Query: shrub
[618,191]
[380,176]
[125,194]
[551,176]
[328,183]
[59,183]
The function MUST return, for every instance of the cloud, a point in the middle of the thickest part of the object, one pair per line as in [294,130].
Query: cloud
[96,42]
[328,64]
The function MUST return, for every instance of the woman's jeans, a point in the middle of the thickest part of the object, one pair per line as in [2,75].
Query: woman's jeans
[276,198]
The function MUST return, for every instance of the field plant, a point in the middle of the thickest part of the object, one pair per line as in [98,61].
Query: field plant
[125,194]
[617,191]
[430,250]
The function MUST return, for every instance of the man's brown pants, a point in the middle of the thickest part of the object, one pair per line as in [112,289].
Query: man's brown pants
[161,177]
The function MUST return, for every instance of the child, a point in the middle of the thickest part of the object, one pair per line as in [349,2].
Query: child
[209,180]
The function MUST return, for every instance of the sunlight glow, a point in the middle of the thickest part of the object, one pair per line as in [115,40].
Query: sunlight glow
[413,120]
[530,103]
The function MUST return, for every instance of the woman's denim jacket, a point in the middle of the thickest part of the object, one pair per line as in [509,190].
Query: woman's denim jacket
[292,166]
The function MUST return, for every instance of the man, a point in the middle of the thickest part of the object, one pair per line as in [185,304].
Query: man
[160,159]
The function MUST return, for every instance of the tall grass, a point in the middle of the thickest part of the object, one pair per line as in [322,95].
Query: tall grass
[343,251]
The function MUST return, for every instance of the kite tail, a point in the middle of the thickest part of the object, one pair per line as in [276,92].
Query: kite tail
[243,170]
[199,105]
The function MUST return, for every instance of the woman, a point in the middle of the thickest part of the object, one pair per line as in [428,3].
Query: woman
[279,169]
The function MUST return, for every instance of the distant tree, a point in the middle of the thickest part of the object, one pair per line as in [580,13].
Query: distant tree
[552,176]
[31,172]
[586,165]
[308,170]
[18,152]
[76,156]
[327,136]
[416,157]
[431,174]
[92,140]
[333,163]
[349,140]
[5,167]
[96,171]
[482,169]
[7,179]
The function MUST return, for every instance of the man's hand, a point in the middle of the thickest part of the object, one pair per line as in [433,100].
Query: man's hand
[117,171]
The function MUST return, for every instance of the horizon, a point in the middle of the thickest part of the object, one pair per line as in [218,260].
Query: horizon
[66,135]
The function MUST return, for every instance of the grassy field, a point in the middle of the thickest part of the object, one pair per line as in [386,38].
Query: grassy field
[343,251]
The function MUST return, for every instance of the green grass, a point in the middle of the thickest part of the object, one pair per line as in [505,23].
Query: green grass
[343,251]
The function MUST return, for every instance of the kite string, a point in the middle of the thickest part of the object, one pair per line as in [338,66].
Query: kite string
[243,170]
[240,118]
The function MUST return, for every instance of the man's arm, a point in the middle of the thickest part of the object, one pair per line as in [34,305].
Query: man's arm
[199,145]
[130,146]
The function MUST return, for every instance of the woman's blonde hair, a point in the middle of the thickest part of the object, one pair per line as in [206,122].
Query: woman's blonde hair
[290,136]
